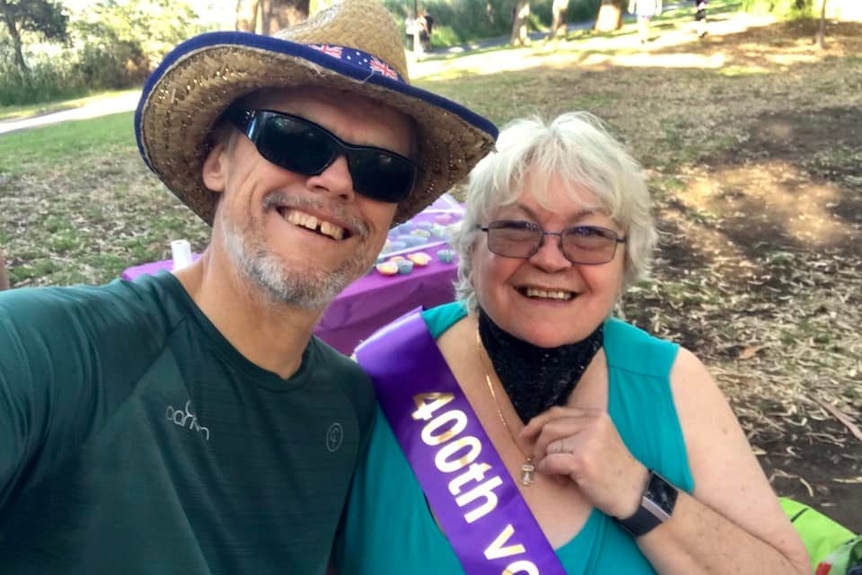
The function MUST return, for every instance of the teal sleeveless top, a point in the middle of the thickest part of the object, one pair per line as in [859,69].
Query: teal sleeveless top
[388,529]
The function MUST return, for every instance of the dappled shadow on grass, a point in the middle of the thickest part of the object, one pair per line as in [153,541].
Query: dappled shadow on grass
[61,227]
[824,144]
[753,45]
[804,130]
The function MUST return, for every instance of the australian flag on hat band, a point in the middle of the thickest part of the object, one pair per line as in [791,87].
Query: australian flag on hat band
[359,58]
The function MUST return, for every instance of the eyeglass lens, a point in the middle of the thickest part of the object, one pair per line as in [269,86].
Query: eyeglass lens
[301,146]
[580,244]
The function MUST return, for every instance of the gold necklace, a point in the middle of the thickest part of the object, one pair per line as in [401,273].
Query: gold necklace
[528,468]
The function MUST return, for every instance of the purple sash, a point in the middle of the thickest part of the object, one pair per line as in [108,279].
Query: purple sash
[474,498]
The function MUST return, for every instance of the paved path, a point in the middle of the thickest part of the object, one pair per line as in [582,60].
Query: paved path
[103,107]
[128,102]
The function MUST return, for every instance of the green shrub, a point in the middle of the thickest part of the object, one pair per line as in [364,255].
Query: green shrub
[112,65]
[583,10]
[779,8]
[459,21]
[48,79]
[112,45]
[446,36]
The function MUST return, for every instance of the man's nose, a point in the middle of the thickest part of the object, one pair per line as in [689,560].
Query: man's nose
[335,179]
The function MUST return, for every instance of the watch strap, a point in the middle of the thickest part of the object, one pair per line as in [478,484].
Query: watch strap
[657,503]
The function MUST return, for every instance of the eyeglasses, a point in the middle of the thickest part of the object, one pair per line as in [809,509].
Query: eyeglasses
[587,245]
[301,146]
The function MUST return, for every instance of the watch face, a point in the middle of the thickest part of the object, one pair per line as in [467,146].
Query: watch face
[660,497]
[656,507]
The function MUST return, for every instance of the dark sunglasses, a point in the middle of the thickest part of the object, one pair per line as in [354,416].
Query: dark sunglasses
[301,146]
[586,245]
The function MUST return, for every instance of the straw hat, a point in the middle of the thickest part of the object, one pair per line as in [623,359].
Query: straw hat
[353,46]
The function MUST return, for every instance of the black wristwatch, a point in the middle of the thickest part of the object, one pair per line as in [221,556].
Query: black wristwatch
[657,504]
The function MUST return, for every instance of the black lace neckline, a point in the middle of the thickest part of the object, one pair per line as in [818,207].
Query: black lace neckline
[536,378]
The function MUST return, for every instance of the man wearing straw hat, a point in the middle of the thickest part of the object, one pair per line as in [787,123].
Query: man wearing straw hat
[190,422]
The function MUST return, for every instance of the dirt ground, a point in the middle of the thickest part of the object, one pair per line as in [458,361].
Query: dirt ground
[778,228]
[752,139]
[817,460]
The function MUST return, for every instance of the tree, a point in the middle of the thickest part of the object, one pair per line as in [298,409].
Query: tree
[269,16]
[610,17]
[821,29]
[117,41]
[4,277]
[246,15]
[779,8]
[41,17]
[558,15]
[520,20]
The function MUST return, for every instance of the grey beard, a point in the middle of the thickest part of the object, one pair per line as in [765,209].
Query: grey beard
[309,291]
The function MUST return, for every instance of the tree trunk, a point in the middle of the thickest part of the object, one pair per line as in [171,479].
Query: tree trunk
[12,28]
[610,16]
[520,19]
[4,277]
[246,15]
[286,13]
[558,9]
[821,30]
[268,24]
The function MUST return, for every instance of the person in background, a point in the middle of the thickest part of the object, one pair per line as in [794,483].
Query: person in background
[700,18]
[524,429]
[426,21]
[558,9]
[189,422]
[645,10]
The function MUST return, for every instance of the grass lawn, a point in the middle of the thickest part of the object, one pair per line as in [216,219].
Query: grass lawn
[752,138]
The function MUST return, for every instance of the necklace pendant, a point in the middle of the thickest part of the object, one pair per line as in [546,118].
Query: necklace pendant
[528,471]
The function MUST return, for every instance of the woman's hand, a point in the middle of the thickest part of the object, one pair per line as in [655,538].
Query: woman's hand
[584,445]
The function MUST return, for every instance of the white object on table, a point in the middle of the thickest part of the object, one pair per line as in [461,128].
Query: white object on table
[181,252]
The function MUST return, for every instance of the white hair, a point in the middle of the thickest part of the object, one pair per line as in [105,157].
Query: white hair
[577,148]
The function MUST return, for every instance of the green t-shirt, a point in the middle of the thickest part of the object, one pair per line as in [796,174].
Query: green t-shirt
[135,439]
[388,528]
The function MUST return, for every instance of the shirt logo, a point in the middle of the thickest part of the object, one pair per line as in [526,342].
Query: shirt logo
[334,437]
[186,418]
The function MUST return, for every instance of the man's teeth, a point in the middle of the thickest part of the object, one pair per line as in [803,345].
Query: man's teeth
[563,295]
[310,222]
[301,219]
[331,230]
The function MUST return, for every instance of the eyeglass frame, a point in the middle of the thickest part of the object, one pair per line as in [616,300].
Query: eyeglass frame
[608,233]
[247,120]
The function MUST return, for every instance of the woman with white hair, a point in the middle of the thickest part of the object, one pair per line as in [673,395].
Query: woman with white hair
[524,429]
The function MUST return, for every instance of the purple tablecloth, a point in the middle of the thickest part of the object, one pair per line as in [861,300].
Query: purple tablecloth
[367,303]
[374,299]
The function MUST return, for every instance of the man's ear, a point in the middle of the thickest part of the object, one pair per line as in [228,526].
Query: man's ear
[213,171]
